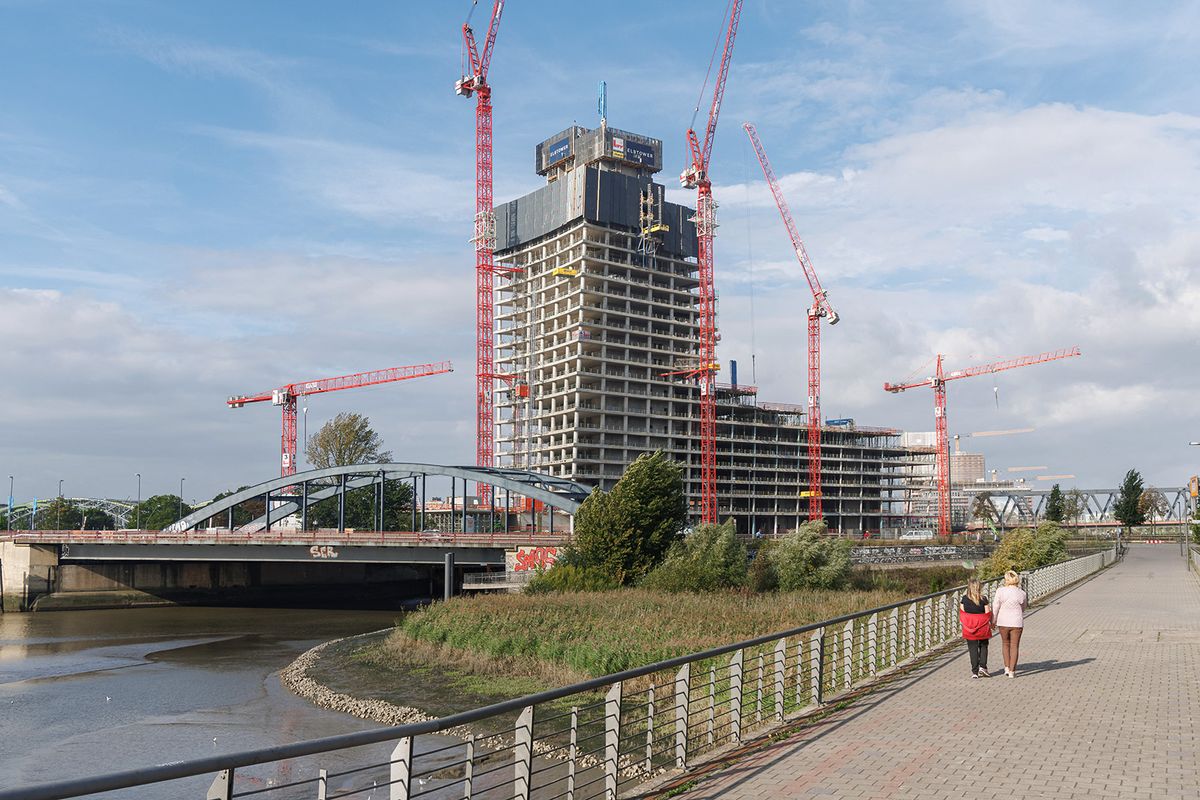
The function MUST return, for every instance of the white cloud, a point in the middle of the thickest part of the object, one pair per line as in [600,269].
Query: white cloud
[377,184]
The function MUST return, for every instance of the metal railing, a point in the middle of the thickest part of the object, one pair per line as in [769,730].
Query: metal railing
[602,737]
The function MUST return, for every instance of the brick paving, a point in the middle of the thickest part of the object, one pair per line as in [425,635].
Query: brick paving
[1106,704]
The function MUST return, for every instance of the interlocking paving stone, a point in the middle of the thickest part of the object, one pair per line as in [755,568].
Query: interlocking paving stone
[1106,703]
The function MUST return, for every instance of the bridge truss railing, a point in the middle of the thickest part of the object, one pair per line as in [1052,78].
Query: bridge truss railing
[515,536]
[602,737]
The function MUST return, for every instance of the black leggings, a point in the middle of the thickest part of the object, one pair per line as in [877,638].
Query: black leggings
[978,650]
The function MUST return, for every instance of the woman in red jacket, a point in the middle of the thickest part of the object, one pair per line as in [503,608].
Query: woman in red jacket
[976,617]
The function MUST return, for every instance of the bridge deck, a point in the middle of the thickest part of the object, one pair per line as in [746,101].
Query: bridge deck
[1106,703]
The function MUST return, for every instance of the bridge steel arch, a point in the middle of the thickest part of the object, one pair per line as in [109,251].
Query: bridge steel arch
[119,510]
[303,489]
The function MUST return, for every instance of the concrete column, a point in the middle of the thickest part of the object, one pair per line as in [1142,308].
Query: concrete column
[26,572]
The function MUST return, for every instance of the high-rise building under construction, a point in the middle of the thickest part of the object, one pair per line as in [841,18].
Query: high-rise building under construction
[597,307]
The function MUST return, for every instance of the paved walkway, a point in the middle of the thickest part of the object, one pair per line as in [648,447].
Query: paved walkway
[1106,703]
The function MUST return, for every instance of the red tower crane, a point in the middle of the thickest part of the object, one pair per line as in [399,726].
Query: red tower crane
[938,382]
[286,396]
[820,308]
[485,229]
[696,177]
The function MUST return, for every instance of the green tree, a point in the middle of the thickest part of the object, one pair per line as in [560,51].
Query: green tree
[708,559]
[1153,504]
[159,511]
[345,440]
[243,513]
[1026,549]
[1055,504]
[628,531]
[361,508]
[983,510]
[62,514]
[1074,505]
[1126,509]
[808,559]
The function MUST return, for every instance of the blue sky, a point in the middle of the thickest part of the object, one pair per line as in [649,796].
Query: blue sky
[202,200]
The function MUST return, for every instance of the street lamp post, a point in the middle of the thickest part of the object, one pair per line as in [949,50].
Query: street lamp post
[137,510]
[58,507]
[181,498]
[304,450]
[10,501]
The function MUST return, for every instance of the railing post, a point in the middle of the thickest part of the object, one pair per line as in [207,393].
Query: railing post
[649,729]
[872,643]
[469,768]
[572,752]
[735,697]
[758,696]
[222,786]
[799,672]
[816,646]
[893,635]
[712,705]
[780,672]
[401,769]
[523,753]
[612,739]
[683,681]
[928,624]
[910,618]
[848,655]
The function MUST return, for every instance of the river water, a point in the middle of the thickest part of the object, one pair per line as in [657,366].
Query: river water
[90,692]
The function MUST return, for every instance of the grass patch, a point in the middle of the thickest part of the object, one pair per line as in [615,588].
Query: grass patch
[562,638]
[909,581]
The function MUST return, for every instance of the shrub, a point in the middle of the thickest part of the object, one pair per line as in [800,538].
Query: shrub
[573,578]
[710,558]
[1024,549]
[762,576]
[808,559]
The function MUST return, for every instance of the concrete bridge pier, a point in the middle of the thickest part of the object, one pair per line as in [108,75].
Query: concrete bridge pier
[27,571]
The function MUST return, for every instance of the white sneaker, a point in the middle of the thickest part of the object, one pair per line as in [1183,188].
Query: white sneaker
[983,673]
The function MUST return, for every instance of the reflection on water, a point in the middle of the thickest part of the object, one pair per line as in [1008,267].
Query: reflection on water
[88,692]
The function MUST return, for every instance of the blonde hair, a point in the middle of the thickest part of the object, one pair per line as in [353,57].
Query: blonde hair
[974,591]
[1011,578]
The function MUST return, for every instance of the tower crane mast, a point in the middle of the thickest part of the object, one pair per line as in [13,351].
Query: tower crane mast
[695,176]
[476,82]
[938,381]
[286,397]
[820,308]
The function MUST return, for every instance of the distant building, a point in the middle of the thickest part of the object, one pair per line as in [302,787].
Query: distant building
[967,468]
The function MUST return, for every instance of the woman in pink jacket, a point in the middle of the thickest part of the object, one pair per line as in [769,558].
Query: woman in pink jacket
[976,617]
[1010,619]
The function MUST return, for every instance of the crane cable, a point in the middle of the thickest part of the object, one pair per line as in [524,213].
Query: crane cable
[708,72]
[750,264]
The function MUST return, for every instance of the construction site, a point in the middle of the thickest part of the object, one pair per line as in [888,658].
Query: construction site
[596,341]
[597,314]
[596,335]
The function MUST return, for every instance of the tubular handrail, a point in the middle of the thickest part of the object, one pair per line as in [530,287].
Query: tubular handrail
[1039,583]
